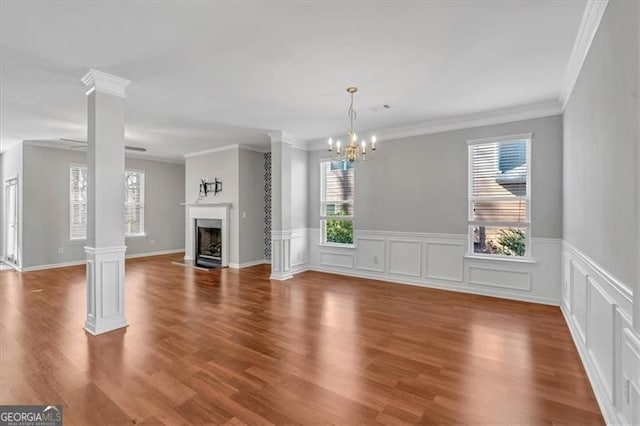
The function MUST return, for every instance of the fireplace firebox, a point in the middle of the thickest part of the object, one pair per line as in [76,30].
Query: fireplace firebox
[208,243]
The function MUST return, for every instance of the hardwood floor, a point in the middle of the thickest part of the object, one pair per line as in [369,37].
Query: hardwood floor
[232,347]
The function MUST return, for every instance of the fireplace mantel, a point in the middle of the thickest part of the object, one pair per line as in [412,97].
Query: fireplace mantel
[207,211]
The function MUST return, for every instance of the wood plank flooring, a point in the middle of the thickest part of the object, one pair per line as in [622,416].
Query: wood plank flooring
[232,347]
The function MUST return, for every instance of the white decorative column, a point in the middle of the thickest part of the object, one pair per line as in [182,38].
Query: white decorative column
[105,205]
[281,205]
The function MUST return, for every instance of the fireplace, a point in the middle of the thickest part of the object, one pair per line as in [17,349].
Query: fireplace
[208,243]
[207,215]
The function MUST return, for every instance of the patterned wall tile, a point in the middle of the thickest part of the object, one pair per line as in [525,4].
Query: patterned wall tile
[267,206]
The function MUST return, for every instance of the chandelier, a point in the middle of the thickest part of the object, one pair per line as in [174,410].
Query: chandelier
[352,151]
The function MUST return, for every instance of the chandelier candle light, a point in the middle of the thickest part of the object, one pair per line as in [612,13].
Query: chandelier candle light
[352,151]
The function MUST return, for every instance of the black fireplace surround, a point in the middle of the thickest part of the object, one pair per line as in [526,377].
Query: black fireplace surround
[208,243]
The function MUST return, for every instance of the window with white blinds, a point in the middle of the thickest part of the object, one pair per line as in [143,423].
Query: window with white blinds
[337,192]
[133,204]
[78,202]
[11,220]
[499,196]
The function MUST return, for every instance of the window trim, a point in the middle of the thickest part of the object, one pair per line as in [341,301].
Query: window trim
[71,238]
[141,235]
[324,217]
[142,204]
[527,258]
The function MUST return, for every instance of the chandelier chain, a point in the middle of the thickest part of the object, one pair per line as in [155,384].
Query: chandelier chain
[353,115]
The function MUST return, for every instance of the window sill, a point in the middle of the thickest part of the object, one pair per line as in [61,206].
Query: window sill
[334,245]
[526,260]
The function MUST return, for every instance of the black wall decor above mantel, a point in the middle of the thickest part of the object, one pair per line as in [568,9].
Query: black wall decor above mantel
[207,186]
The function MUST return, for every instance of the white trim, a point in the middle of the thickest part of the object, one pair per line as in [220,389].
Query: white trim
[53,266]
[211,150]
[65,146]
[263,150]
[505,115]
[104,250]
[154,253]
[622,289]
[489,292]
[591,18]
[599,389]
[106,83]
[501,139]
[281,136]
[82,262]
[248,264]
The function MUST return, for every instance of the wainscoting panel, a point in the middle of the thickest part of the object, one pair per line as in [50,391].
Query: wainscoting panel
[438,261]
[444,261]
[299,247]
[579,303]
[504,278]
[340,260]
[597,308]
[405,257]
[370,254]
[601,328]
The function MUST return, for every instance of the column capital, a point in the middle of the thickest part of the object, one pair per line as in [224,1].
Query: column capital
[281,136]
[106,83]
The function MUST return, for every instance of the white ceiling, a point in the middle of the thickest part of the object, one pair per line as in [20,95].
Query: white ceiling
[211,74]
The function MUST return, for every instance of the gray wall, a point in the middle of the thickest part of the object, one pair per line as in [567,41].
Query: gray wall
[251,206]
[419,184]
[600,133]
[225,166]
[299,189]
[46,207]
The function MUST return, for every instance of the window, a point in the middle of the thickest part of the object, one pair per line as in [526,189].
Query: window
[336,201]
[78,203]
[11,220]
[500,196]
[133,203]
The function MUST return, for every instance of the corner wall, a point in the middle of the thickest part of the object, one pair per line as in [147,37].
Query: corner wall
[601,217]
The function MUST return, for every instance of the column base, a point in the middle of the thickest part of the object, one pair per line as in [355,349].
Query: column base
[280,277]
[105,289]
[280,255]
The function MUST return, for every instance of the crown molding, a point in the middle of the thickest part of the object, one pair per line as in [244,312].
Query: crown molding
[589,24]
[281,136]
[254,148]
[211,150]
[67,146]
[468,121]
[106,83]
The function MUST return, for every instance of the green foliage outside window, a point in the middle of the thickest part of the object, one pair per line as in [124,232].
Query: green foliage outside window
[511,242]
[339,231]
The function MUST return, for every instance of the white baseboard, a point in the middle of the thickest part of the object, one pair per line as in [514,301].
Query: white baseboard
[154,253]
[606,407]
[418,282]
[52,266]
[82,262]
[248,264]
